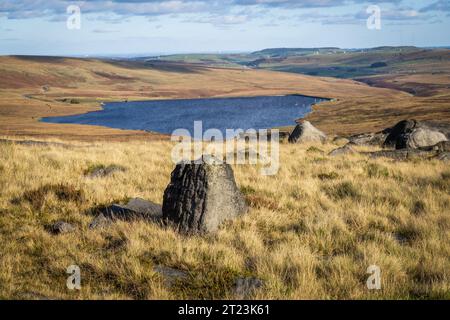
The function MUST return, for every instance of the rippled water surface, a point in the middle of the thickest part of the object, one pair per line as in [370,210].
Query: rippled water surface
[165,116]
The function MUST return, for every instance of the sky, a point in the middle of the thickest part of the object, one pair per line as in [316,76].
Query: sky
[153,27]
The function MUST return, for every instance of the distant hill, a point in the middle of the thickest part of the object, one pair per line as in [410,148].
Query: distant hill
[294,51]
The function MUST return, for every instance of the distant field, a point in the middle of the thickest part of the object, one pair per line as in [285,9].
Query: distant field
[391,84]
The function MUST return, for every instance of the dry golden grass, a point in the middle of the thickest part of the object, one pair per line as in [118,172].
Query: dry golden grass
[312,231]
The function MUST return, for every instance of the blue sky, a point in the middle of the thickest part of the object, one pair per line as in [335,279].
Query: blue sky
[139,27]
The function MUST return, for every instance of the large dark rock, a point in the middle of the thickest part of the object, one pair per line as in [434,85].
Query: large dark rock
[443,146]
[412,134]
[201,196]
[306,132]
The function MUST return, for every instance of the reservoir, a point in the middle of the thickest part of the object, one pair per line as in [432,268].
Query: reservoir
[165,116]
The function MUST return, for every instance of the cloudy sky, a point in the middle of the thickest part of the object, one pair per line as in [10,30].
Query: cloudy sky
[135,27]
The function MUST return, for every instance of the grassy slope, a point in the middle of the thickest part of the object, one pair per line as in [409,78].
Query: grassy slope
[23,100]
[312,238]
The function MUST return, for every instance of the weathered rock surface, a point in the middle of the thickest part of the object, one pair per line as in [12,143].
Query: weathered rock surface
[420,137]
[99,222]
[443,146]
[347,149]
[135,209]
[369,139]
[101,171]
[411,134]
[340,140]
[306,132]
[202,196]
[61,227]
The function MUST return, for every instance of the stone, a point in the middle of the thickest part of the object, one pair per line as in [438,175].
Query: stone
[100,222]
[306,132]
[61,227]
[201,196]
[399,129]
[347,149]
[411,134]
[340,140]
[135,209]
[102,171]
[243,288]
[368,139]
[420,137]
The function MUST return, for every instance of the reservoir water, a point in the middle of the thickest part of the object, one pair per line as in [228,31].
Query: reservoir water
[165,116]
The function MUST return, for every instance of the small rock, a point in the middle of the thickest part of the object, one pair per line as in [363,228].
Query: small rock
[135,209]
[443,146]
[61,227]
[368,139]
[420,137]
[201,196]
[347,149]
[100,222]
[412,134]
[306,132]
[243,288]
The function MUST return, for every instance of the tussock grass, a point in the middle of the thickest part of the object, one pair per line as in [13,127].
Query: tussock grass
[311,232]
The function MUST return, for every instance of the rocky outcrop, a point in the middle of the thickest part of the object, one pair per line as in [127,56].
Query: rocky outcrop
[135,209]
[443,146]
[411,134]
[201,196]
[306,132]
[369,139]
